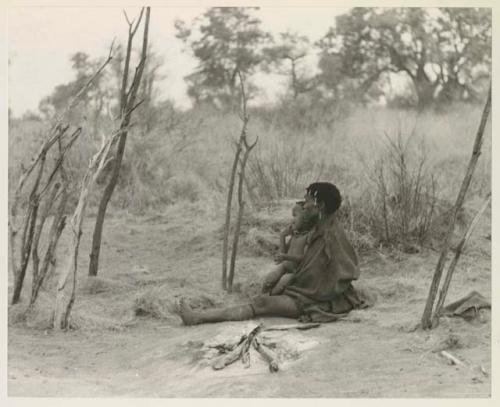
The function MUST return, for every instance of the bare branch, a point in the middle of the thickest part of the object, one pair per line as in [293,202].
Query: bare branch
[138,22]
[60,159]
[124,95]
[128,21]
[77,97]
[135,107]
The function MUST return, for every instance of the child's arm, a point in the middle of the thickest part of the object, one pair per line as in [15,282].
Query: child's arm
[296,258]
[283,235]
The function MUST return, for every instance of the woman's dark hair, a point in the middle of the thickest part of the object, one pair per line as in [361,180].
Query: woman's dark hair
[327,193]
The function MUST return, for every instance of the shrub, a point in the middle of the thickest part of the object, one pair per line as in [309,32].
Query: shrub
[414,172]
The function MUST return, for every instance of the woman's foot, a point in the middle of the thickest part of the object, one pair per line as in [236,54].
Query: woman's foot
[187,315]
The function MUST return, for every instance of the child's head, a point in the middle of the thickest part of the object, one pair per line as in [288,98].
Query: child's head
[302,220]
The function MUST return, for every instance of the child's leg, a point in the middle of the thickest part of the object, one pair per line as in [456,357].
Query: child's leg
[279,287]
[272,278]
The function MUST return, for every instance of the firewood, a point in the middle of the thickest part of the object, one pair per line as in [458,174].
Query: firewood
[228,358]
[245,353]
[267,354]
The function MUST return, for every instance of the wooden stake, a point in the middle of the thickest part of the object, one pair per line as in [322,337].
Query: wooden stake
[241,208]
[62,307]
[225,243]
[426,320]
[227,280]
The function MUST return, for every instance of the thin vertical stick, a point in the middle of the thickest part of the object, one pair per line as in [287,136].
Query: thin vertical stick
[225,243]
[234,168]
[476,151]
[241,207]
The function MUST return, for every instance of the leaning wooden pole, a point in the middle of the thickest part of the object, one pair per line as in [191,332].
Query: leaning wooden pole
[426,320]
[241,208]
[58,224]
[225,243]
[239,147]
[458,252]
[63,304]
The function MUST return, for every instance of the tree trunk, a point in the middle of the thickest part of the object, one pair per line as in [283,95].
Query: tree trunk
[127,105]
[103,205]
[424,88]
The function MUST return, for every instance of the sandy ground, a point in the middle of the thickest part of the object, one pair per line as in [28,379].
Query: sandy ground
[156,260]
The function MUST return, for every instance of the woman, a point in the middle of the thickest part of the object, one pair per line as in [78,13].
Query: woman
[320,289]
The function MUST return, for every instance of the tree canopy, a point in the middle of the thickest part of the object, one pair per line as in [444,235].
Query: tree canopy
[445,53]
[224,40]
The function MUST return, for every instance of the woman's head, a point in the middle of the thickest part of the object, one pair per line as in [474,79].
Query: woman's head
[324,195]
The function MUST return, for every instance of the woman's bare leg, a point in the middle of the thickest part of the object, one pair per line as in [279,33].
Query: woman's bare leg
[262,305]
[275,306]
[235,313]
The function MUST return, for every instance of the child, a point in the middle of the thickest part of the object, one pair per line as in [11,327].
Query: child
[291,252]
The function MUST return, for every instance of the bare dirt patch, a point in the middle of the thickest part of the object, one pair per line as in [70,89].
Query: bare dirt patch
[128,340]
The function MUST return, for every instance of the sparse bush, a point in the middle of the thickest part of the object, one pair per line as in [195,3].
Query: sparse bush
[187,157]
[187,187]
[406,194]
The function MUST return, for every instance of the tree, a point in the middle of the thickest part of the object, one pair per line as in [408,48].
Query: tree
[463,64]
[128,96]
[286,57]
[224,40]
[441,51]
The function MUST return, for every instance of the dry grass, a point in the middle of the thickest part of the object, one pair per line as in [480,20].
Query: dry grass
[190,161]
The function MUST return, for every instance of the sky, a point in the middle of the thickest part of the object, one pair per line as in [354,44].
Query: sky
[42,39]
